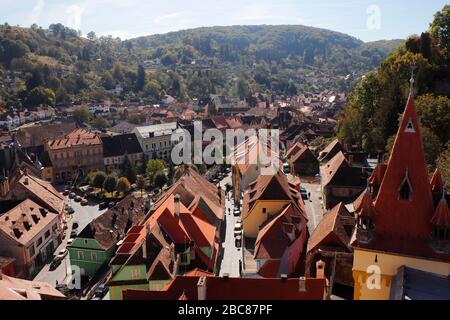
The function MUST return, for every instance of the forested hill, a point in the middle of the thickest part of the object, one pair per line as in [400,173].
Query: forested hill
[236,60]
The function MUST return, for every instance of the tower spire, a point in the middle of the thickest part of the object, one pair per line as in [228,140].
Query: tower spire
[412,81]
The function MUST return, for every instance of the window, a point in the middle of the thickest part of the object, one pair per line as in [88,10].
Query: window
[135,274]
[47,234]
[264,210]
[80,255]
[39,242]
[405,189]
[31,250]
[54,227]
[94,256]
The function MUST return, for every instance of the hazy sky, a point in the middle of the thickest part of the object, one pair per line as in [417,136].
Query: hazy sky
[367,20]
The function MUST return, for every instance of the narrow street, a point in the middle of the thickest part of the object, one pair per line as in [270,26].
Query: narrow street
[232,255]
[313,205]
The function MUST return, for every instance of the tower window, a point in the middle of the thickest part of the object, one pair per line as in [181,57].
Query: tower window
[405,189]
[410,127]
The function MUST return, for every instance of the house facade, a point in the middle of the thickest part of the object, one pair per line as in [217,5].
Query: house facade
[76,154]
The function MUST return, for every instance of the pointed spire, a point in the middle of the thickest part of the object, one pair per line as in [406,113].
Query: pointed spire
[437,183]
[412,81]
[441,216]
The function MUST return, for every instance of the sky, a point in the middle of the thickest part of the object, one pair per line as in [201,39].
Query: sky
[368,20]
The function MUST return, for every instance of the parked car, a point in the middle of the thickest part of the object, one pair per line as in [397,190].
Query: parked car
[70,241]
[70,210]
[73,234]
[101,291]
[238,226]
[111,204]
[62,254]
[66,192]
[103,206]
[78,199]
[84,202]
[237,212]
[75,226]
[55,264]
[304,193]
[72,195]
[238,241]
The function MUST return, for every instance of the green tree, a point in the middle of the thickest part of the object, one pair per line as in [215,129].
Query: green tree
[100,123]
[12,49]
[99,180]
[141,78]
[108,81]
[81,115]
[154,166]
[440,27]
[110,183]
[434,113]
[443,163]
[160,179]
[123,185]
[39,96]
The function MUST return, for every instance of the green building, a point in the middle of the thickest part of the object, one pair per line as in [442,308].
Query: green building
[96,244]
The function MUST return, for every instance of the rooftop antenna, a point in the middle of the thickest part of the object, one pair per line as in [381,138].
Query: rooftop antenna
[412,81]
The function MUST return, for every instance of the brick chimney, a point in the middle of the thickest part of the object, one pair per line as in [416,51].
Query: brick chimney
[4,186]
[320,269]
[144,244]
[176,201]
[201,289]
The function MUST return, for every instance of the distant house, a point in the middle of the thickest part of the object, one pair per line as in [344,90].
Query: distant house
[249,160]
[120,147]
[340,181]
[158,140]
[330,151]
[281,242]
[96,244]
[302,162]
[76,154]
[267,196]
[29,234]
[171,241]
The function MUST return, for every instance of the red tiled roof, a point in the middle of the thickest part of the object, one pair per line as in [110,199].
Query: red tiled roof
[294,149]
[441,217]
[330,230]
[403,226]
[364,205]
[218,288]
[437,183]
[75,138]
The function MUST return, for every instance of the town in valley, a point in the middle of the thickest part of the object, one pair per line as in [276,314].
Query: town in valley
[348,198]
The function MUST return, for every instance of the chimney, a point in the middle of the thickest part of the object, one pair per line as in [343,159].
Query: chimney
[320,269]
[201,289]
[176,201]
[302,284]
[4,186]
[284,277]
[144,244]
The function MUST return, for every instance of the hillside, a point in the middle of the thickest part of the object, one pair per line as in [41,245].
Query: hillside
[236,60]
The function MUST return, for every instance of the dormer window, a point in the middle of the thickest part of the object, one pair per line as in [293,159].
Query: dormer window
[405,190]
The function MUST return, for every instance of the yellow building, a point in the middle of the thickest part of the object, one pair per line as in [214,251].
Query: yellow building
[267,196]
[408,223]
